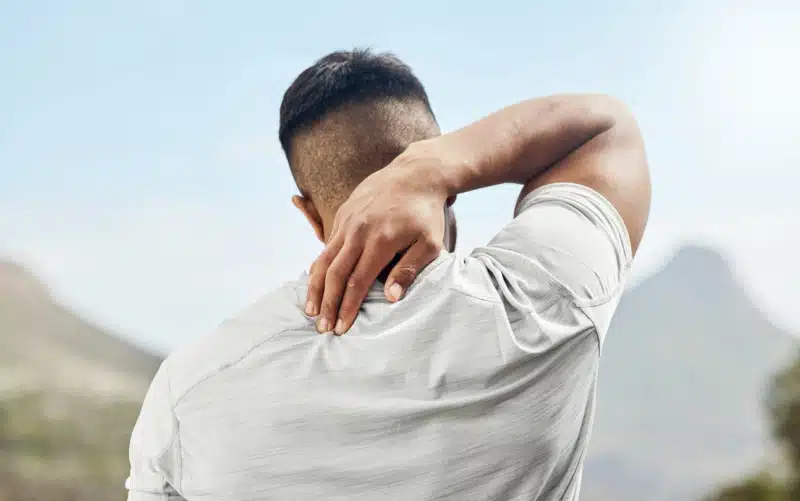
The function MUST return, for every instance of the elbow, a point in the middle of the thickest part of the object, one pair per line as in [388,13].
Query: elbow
[612,111]
[593,114]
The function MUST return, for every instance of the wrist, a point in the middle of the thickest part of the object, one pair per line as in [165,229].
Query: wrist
[444,164]
[426,166]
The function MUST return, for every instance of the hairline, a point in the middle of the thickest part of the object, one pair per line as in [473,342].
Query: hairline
[305,127]
[353,105]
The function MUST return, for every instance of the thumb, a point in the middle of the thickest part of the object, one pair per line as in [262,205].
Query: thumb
[417,257]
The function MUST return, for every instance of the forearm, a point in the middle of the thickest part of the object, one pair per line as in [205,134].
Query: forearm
[519,142]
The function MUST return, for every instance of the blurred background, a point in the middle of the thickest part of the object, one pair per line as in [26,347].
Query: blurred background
[144,198]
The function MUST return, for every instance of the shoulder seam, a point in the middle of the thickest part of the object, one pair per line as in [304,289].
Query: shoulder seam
[227,365]
[560,290]
[605,298]
[563,291]
[474,296]
[597,336]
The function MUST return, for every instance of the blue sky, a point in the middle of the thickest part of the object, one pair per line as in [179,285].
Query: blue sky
[140,173]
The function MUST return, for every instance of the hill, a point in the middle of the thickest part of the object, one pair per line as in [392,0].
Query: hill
[679,411]
[69,396]
[45,346]
[682,380]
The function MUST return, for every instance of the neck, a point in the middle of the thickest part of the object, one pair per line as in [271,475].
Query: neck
[327,224]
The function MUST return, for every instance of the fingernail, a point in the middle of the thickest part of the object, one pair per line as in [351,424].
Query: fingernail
[339,329]
[395,291]
[324,325]
[310,309]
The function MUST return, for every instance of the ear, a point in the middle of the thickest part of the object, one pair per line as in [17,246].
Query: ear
[306,206]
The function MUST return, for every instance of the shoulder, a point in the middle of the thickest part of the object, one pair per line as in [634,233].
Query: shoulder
[565,255]
[272,314]
[568,238]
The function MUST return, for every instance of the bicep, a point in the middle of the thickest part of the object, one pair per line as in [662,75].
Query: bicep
[566,238]
[560,262]
[613,164]
[566,251]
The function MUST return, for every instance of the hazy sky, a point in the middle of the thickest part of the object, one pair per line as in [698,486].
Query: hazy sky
[141,176]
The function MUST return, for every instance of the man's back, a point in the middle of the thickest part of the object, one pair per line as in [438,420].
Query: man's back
[479,384]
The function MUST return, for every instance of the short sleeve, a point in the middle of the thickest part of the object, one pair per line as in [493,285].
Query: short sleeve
[566,247]
[154,457]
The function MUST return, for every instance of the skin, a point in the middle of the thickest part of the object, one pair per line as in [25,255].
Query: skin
[339,151]
[591,140]
[398,274]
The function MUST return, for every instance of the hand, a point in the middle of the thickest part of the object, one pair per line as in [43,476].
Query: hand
[397,210]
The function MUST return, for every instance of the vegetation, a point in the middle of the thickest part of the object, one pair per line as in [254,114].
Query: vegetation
[56,447]
[783,405]
[706,348]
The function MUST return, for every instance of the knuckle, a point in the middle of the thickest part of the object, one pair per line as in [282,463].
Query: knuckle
[347,309]
[386,234]
[380,239]
[335,274]
[316,274]
[430,245]
[357,281]
[328,308]
[405,274]
[314,289]
[324,259]
[359,226]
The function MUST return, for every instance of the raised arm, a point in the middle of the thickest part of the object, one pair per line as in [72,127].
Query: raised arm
[584,139]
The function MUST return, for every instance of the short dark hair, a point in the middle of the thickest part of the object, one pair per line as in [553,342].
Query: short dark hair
[342,78]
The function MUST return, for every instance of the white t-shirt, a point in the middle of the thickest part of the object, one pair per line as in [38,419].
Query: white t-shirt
[479,385]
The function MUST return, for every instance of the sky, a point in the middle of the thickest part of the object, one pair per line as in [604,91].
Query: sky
[142,179]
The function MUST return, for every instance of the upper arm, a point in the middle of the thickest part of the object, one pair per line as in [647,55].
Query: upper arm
[613,164]
[153,454]
[565,256]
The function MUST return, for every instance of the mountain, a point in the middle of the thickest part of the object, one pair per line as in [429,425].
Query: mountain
[69,396]
[683,374]
[682,379]
[43,345]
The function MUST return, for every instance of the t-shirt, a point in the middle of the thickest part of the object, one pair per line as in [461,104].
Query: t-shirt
[479,384]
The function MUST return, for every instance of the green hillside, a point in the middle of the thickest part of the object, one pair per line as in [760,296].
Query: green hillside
[69,396]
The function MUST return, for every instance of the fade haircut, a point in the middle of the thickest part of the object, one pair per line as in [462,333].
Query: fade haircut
[348,115]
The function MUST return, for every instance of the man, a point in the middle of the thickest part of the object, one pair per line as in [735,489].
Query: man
[471,378]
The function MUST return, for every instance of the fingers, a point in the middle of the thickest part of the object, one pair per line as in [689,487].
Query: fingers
[317,274]
[336,278]
[340,280]
[377,254]
[418,256]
